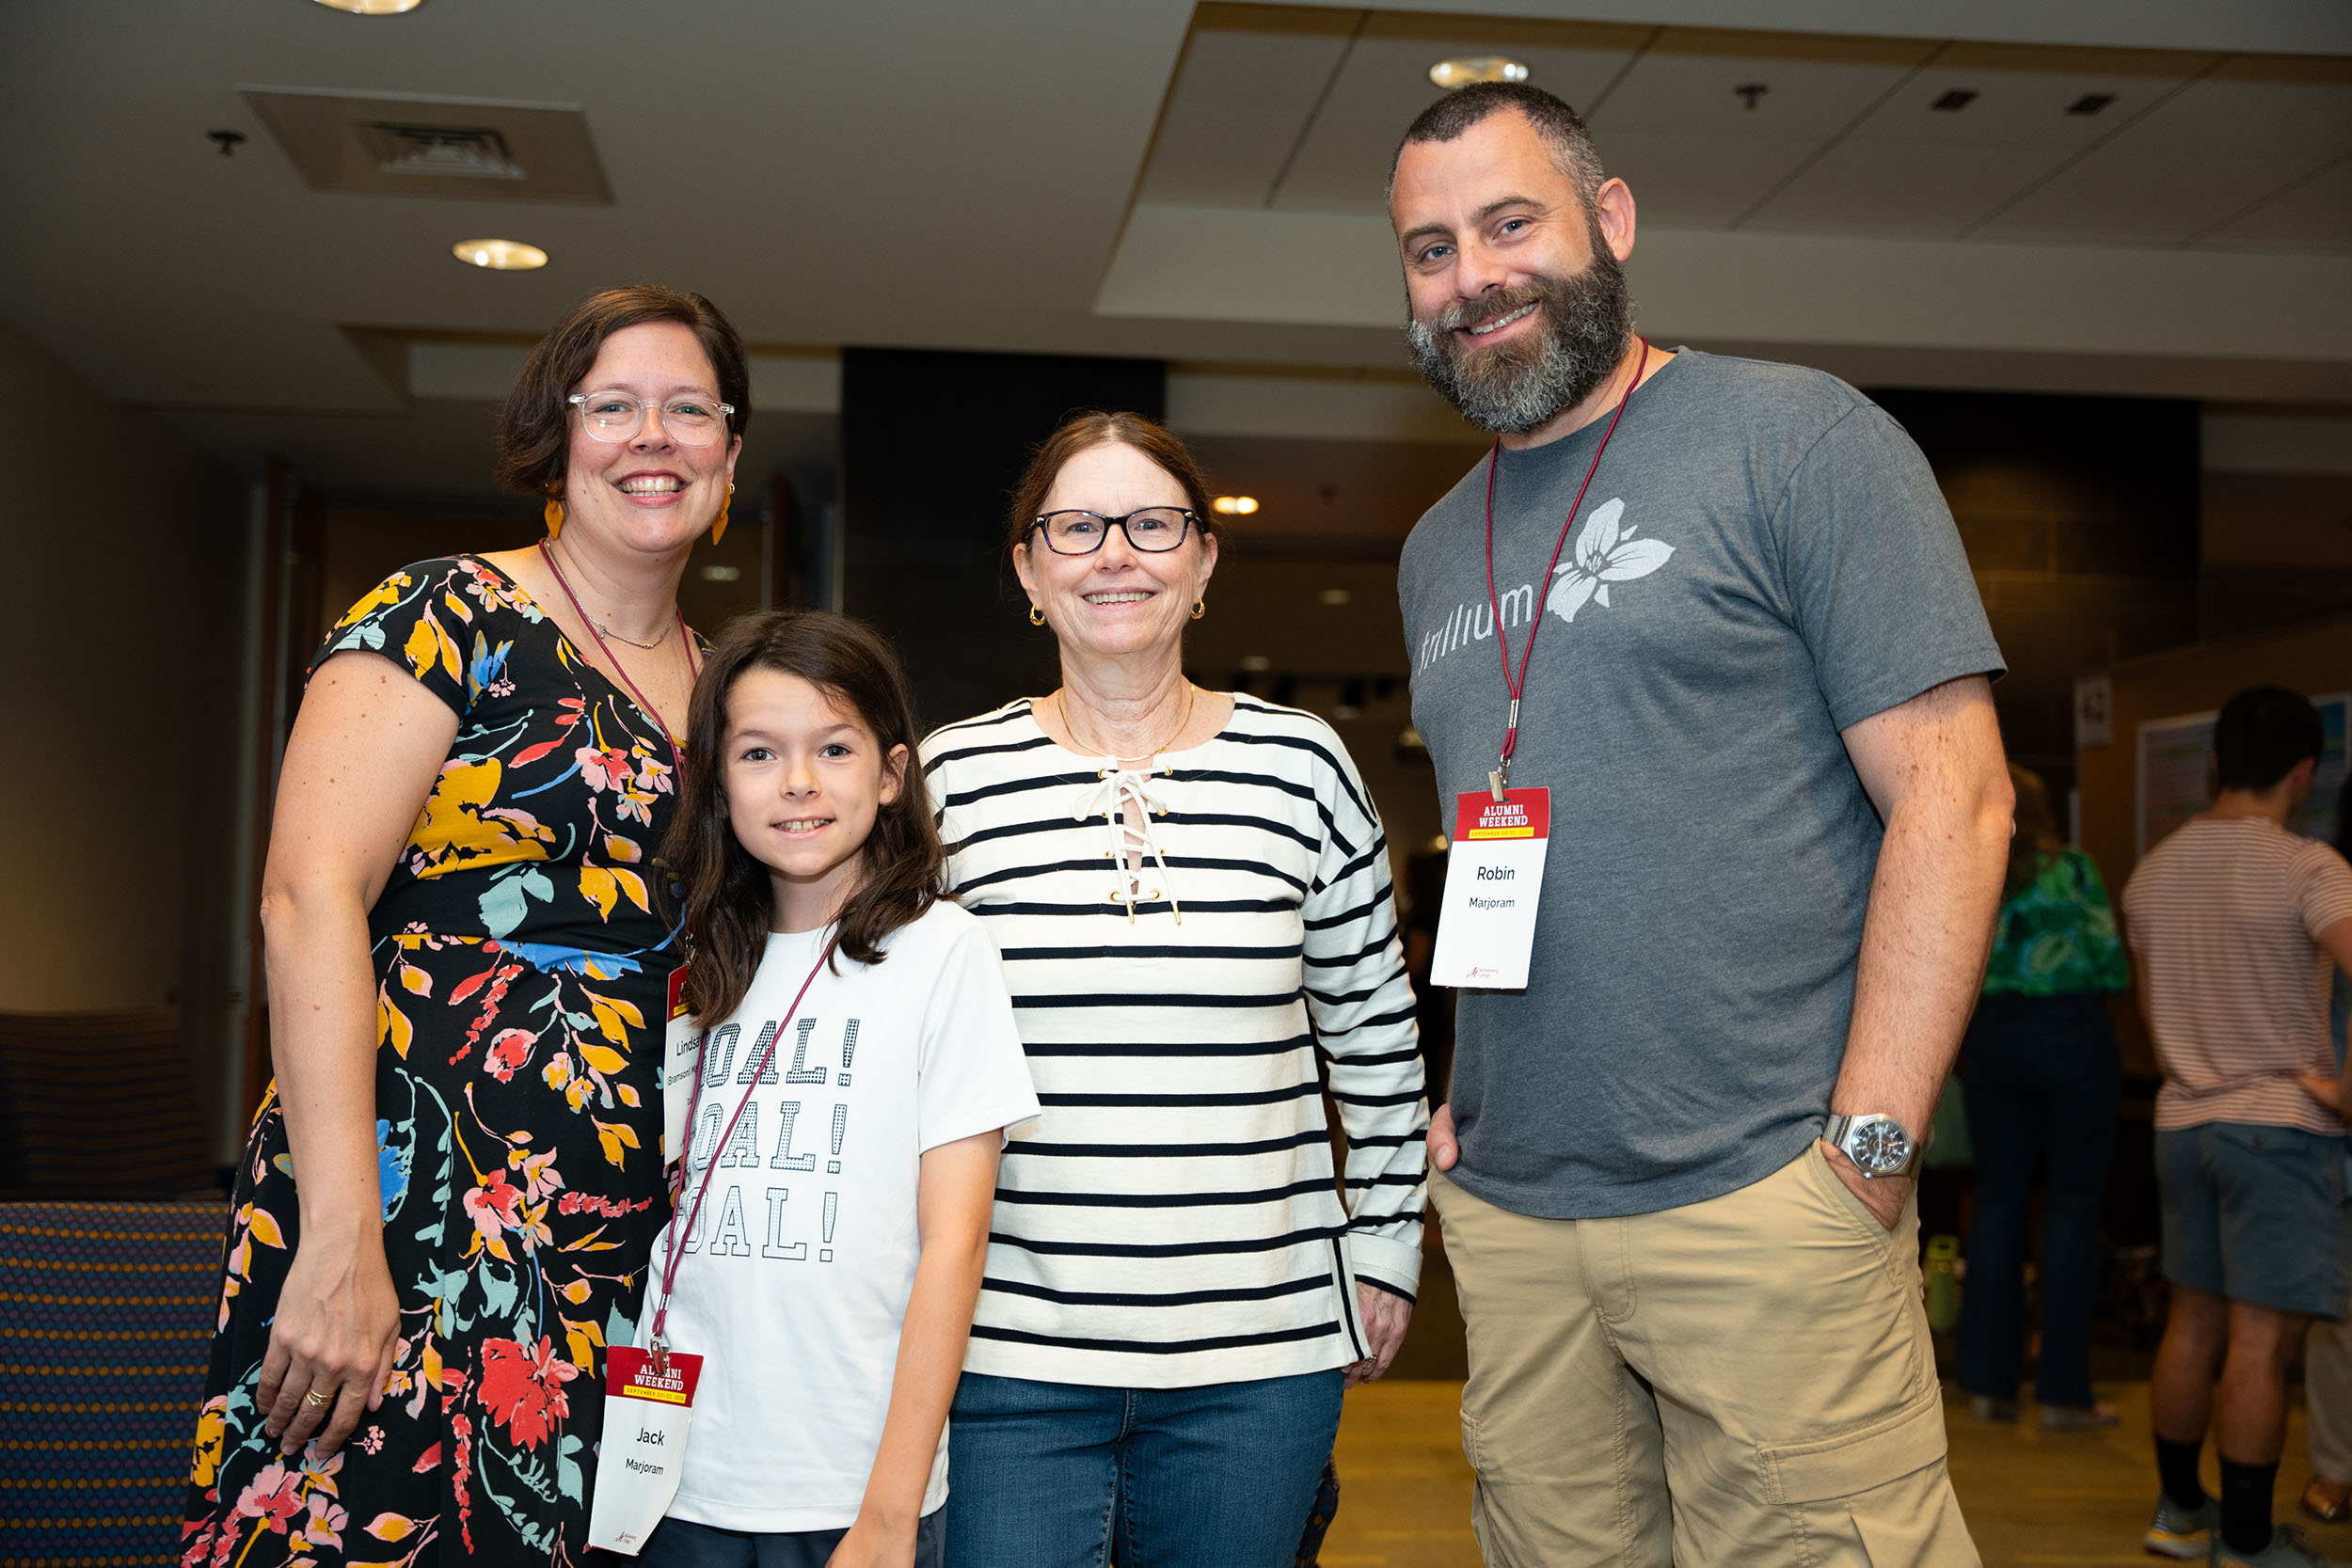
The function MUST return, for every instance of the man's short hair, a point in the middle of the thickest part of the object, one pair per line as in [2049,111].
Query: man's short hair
[2261,734]
[1560,127]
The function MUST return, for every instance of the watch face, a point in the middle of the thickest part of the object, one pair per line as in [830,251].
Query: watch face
[1880,1144]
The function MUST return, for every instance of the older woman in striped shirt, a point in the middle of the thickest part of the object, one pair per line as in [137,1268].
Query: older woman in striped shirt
[1190,891]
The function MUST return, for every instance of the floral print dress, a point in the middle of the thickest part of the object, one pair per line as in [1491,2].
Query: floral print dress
[520,966]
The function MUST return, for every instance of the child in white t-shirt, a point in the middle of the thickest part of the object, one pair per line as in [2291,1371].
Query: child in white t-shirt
[859,1066]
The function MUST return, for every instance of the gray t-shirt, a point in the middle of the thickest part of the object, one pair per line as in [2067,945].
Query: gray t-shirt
[1763,559]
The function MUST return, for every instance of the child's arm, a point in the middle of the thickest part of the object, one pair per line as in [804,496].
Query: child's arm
[954,1197]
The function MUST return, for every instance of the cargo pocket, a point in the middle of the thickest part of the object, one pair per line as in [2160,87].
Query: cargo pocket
[1824,1470]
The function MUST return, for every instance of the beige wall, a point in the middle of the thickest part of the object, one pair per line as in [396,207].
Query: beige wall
[122,631]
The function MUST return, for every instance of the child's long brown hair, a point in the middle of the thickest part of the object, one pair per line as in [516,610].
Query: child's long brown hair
[727,893]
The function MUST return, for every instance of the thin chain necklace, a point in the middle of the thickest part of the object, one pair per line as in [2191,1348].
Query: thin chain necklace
[643,701]
[1061,701]
[601,628]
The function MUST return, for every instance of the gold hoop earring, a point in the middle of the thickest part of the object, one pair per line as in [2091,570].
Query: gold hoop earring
[554,510]
[718,526]
[1037,616]
[1199,608]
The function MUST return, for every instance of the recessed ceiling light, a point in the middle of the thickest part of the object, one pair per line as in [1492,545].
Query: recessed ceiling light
[1461,70]
[1335,597]
[1954,101]
[1234,506]
[722,573]
[500,255]
[2090,103]
[373,7]
[1257,664]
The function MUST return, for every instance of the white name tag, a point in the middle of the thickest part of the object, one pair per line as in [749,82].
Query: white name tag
[1494,873]
[644,1446]
[681,1059]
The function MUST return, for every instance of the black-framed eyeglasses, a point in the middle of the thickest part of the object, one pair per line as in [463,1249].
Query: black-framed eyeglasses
[1153,528]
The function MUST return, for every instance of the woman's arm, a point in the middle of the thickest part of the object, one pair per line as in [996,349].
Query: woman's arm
[366,747]
[954,1198]
[1362,1006]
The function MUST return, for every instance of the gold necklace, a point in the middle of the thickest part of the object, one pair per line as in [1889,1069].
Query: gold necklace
[1061,701]
[608,631]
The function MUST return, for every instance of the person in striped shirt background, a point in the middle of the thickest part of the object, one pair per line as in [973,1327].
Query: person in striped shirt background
[1190,892]
[2233,919]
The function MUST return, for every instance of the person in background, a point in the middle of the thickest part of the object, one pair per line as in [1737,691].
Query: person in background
[2231,916]
[2327,1352]
[1191,893]
[452,1184]
[2040,1071]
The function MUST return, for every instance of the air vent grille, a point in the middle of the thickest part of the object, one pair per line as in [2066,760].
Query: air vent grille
[468,152]
[396,145]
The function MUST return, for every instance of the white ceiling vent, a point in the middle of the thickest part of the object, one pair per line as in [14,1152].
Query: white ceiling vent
[399,145]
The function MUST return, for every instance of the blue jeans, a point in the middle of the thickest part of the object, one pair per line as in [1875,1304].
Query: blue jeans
[683,1543]
[2040,1076]
[1049,1475]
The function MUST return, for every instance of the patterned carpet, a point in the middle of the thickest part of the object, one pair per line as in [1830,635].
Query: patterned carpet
[106,1322]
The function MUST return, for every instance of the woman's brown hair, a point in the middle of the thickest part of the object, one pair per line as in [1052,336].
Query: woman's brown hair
[1083,431]
[535,427]
[727,897]
[2037,834]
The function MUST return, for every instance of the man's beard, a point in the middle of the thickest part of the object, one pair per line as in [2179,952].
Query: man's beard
[1584,325]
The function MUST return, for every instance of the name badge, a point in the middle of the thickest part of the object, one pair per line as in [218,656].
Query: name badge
[644,1445]
[1494,873]
[681,1059]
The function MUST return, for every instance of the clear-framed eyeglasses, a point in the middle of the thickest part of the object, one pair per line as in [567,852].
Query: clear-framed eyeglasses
[690,421]
[1152,530]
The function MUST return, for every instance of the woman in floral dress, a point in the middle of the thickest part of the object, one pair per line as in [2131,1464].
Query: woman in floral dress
[444,1211]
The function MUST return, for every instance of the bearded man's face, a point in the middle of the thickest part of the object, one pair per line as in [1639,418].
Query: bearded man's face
[1581,327]
[1516,304]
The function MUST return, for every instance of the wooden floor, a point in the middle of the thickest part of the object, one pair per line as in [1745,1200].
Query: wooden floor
[2032,1498]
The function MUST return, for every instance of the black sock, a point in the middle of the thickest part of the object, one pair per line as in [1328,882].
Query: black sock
[2176,1467]
[2246,1503]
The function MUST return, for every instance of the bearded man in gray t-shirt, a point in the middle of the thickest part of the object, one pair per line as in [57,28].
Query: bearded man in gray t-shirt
[1754,683]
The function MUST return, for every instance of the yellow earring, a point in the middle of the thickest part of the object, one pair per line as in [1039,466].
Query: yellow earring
[554,510]
[718,528]
[1199,608]
[1037,616]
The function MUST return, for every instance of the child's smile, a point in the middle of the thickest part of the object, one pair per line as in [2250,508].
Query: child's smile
[806,780]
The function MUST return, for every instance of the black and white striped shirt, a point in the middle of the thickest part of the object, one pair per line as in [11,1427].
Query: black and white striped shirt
[1172,1221]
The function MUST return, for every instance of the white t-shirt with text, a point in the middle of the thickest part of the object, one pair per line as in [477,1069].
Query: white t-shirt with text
[795,1277]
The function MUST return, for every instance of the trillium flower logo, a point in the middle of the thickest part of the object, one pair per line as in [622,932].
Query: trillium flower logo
[1604,554]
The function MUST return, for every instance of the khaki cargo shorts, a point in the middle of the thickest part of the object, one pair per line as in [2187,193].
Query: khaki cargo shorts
[1747,1380]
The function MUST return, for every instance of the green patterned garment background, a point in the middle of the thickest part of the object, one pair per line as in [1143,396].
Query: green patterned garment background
[2058,934]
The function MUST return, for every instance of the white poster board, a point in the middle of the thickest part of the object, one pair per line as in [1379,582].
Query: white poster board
[2175,775]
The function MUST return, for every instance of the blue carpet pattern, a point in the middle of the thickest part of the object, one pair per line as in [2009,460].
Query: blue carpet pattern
[105,1324]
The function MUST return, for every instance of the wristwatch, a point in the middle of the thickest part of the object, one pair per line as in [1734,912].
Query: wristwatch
[1877,1144]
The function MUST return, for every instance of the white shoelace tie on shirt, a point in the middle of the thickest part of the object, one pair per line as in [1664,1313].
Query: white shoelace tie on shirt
[1114,790]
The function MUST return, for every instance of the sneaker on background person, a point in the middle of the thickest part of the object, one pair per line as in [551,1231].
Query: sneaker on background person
[2287,1549]
[2182,1532]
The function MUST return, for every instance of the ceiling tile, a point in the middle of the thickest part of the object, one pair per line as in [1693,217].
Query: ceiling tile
[2011,107]
[1236,112]
[1686,84]
[2316,213]
[2282,119]
[1343,166]
[2117,196]
[1689,182]
[1903,187]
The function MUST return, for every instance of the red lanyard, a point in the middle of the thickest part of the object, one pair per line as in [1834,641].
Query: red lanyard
[676,762]
[1501,778]
[678,1233]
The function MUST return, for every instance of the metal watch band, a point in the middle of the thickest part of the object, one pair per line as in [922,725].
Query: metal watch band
[1840,1128]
